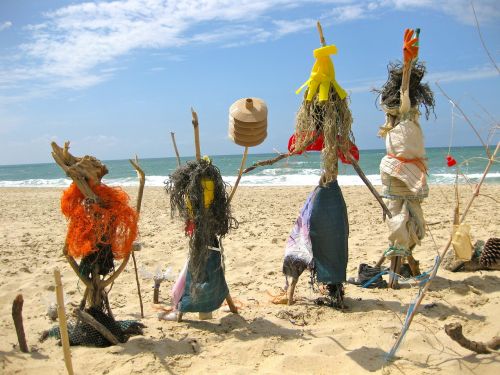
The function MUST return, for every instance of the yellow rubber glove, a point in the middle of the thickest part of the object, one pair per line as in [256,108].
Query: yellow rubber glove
[208,195]
[322,75]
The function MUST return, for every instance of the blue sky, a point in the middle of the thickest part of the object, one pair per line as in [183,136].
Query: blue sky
[115,77]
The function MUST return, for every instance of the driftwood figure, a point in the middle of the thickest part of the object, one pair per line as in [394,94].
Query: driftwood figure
[404,168]
[319,239]
[101,229]
[454,330]
[198,195]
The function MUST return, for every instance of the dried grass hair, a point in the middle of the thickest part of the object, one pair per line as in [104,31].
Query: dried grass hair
[333,118]
[210,224]
[420,93]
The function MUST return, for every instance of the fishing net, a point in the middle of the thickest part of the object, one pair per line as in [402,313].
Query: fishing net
[81,333]
[110,222]
[333,119]
[203,221]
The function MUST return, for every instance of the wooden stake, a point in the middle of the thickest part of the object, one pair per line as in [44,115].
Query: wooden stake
[320,31]
[421,295]
[240,173]
[63,326]
[17,315]
[172,134]
[142,179]
[196,134]
[291,290]
[89,319]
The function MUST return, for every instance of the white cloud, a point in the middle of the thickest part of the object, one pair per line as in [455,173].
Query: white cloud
[78,46]
[5,25]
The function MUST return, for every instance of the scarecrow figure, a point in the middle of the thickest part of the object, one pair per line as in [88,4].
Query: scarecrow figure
[198,194]
[319,238]
[101,229]
[403,169]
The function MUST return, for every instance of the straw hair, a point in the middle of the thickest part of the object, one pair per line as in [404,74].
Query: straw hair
[332,118]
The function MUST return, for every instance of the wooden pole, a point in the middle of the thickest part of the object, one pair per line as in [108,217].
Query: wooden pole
[142,180]
[17,315]
[421,295]
[63,326]
[196,134]
[353,161]
[172,134]
[240,173]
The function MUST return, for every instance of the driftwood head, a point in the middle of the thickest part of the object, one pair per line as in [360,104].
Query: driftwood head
[86,167]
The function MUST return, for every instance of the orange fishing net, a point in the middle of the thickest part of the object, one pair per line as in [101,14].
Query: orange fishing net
[113,223]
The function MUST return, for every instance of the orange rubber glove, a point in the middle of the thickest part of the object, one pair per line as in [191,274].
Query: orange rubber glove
[410,46]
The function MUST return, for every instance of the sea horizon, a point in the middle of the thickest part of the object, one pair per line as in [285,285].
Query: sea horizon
[301,170]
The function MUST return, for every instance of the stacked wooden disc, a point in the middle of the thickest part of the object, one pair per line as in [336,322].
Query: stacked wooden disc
[248,122]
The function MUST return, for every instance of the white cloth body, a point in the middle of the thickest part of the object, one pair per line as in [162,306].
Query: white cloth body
[404,180]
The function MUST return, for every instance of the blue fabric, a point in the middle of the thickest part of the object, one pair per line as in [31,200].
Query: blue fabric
[211,293]
[329,231]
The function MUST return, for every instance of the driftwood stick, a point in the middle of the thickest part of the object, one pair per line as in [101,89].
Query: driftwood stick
[240,173]
[262,163]
[421,295]
[63,326]
[89,319]
[196,134]
[74,266]
[454,330]
[367,182]
[231,305]
[321,36]
[142,180]
[172,134]
[113,277]
[17,315]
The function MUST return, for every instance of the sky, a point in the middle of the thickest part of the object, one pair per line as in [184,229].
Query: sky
[116,77]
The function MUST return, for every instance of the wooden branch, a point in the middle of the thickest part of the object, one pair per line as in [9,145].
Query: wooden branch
[367,182]
[89,319]
[74,266]
[109,280]
[142,180]
[196,134]
[82,170]
[421,295]
[321,37]
[454,330]
[240,173]
[63,326]
[172,134]
[262,163]
[486,148]
[17,316]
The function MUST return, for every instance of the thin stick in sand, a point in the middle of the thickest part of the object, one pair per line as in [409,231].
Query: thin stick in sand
[172,134]
[17,315]
[63,326]
[196,133]
[142,180]
[422,292]
[242,166]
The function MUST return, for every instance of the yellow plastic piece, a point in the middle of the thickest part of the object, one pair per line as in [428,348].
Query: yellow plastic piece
[208,194]
[461,241]
[322,75]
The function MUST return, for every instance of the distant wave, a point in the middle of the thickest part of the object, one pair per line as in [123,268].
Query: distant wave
[309,178]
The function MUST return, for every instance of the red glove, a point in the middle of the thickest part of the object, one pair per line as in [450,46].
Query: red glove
[410,46]
[316,146]
[353,150]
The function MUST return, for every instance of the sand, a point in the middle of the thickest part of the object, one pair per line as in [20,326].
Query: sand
[264,338]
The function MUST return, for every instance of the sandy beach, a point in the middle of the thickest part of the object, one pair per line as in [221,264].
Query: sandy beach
[264,338]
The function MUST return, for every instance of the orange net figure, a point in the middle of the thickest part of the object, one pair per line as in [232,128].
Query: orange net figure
[112,222]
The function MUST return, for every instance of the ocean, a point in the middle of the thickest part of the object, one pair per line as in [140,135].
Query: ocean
[301,170]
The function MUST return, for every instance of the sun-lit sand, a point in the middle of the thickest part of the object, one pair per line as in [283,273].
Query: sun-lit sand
[264,338]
